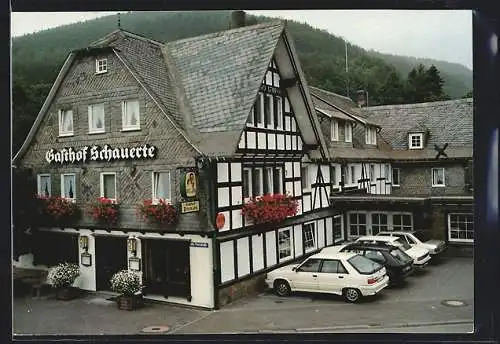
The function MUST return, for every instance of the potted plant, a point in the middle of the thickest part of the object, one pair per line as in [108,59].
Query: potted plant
[270,208]
[161,213]
[57,210]
[62,277]
[128,284]
[105,211]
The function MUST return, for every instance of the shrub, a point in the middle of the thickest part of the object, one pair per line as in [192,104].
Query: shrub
[126,283]
[63,275]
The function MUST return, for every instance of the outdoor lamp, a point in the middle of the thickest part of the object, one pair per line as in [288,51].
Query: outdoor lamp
[84,242]
[132,245]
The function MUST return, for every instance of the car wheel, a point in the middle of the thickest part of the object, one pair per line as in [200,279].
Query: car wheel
[282,288]
[352,294]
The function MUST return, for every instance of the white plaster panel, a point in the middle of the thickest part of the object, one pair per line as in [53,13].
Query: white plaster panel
[226,223]
[321,233]
[222,172]
[329,231]
[296,167]
[281,142]
[236,195]
[251,140]
[271,248]
[288,169]
[298,188]
[306,203]
[223,197]
[237,218]
[289,188]
[294,143]
[271,141]
[257,252]
[297,235]
[227,261]
[325,171]
[243,257]
[241,144]
[262,140]
[235,172]
[288,142]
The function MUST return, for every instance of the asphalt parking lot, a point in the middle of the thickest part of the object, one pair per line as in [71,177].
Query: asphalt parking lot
[418,306]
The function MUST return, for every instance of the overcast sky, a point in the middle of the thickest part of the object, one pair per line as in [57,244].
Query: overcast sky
[443,35]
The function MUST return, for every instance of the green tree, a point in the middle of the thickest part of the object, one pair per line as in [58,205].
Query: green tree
[424,85]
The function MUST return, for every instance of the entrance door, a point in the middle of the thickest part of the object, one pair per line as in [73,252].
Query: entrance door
[166,267]
[110,257]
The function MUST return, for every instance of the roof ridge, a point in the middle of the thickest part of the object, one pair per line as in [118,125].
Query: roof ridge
[235,30]
[126,33]
[417,105]
[332,93]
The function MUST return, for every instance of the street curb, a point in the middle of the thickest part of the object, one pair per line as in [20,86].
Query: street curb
[397,325]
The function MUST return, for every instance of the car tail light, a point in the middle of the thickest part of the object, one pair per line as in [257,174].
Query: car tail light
[372,280]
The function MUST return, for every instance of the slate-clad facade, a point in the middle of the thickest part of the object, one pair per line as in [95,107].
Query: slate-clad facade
[234,110]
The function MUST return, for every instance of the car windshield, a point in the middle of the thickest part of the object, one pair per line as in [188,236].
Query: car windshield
[404,245]
[400,255]
[364,265]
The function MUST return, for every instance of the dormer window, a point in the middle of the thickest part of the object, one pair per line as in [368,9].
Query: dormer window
[348,132]
[416,141]
[101,66]
[335,130]
[370,136]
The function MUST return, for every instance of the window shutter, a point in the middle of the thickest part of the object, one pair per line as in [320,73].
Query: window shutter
[124,115]
[90,117]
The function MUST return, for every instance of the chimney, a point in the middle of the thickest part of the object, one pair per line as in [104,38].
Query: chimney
[362,98]
[237,19]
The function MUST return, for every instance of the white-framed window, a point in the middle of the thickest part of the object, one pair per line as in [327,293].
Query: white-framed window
[285,244]
[247,182]
[44,185]
[306,178]
[438,177]
[258,110]
[257,182]
[277,180]
[96,118]
[309,232]
[348,132]
[68,185]
[461,227]
[269,110]
[379,223]
[353,175]
[395,176]
[334,128]
[108,185]
[161,186]
[101,66]
[372,173]
[333,176]
[416,141]
[357,224]
[131,118]
[278,112]
[65,122]
[370,135]
[268,180]
[402,222]
[338,228]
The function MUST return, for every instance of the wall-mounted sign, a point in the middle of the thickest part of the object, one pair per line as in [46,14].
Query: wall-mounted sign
[86,259]
[220,220]
[97,153]
[198,244]
[189,183]
[189,207]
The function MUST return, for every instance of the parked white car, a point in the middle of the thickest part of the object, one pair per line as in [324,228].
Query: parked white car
[344,273]
[413,238]
[420,255]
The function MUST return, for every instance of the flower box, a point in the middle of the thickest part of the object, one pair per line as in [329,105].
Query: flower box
[105,211]
[61,277]
[270,208]
[56,210]
[161,213]
[128,284]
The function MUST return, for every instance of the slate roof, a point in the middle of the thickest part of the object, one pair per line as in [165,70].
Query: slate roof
[221,73]
[346,104]
[447,122]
